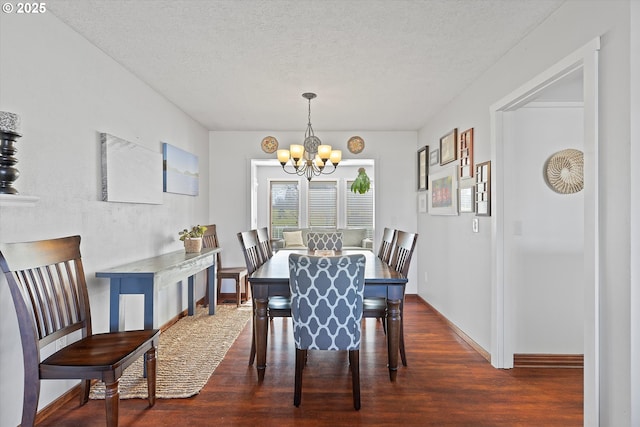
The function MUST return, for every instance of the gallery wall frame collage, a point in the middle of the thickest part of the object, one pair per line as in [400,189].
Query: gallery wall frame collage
[449,182]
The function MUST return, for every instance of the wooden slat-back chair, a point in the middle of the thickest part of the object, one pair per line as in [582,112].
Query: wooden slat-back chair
[374,306]
[403,248]
[47,284]
[279,306]
[238,274]
[402,253]
[265,243]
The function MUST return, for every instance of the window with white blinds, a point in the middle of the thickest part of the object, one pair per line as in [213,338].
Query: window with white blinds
[360,209]
[285,206]
[323,204]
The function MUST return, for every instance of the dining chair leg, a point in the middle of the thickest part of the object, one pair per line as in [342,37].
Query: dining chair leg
[252,353]
[111,401]
[354,361]
[247,288]
[238,293]
[85,387]
[301,356]
[403,355]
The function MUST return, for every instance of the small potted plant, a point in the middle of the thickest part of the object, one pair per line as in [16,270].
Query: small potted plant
[192,238]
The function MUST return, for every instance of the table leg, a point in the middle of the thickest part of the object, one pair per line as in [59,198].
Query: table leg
[148,305]
[260,328]
[211,282]
[114,305]
[191,304]
[393,336]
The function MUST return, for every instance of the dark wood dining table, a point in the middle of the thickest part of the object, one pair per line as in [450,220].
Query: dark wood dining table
[272,279]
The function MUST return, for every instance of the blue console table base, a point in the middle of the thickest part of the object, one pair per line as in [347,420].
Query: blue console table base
[146,277]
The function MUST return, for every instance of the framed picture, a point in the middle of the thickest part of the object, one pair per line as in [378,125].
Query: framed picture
[465,154]
[423,167]
[483,189]
[434,157]
[448,148]
[422,202]
[180,171]
[444,192]
[466,200]
[131,173]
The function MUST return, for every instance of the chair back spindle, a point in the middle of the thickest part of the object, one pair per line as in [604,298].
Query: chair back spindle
[386,246]
[265,243]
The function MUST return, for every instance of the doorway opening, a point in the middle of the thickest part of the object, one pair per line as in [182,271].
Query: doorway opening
[511,220]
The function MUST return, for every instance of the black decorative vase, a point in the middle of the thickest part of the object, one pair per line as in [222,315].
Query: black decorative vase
[9,134]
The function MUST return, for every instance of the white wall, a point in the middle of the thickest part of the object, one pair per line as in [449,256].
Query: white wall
[463,295]
[231,153]
[634,139]
[67,91]
[544,233]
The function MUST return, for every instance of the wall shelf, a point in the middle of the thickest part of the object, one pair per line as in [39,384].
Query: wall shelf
[18,200]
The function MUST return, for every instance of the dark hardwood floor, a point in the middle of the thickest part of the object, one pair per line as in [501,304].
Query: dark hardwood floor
[446,383]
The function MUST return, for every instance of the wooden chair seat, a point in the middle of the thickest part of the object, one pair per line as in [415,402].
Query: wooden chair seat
[98,356]
[49,292]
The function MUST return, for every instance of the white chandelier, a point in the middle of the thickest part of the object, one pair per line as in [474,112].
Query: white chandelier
[309,159]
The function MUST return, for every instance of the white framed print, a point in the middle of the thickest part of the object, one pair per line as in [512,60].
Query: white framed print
[443,187]
[422,202]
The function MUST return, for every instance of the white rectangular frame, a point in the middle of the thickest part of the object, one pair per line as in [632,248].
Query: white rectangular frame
[443,192]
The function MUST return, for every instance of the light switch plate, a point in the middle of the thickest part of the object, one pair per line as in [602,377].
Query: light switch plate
[474,225]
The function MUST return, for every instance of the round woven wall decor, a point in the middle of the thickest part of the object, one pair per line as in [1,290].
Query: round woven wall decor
[564,171]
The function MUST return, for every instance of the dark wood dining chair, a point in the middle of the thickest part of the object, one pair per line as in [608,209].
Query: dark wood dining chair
[279,306]
[376,307]
[386,245]
[317,300]
[47,284]
[265,243]
[238,274]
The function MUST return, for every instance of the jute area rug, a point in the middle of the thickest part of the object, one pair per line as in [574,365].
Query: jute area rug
[188,353]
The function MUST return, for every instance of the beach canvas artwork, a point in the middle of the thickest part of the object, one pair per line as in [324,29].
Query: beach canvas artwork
[180,171]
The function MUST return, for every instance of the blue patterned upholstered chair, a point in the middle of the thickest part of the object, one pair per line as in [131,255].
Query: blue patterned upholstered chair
[324,241]
[326,307]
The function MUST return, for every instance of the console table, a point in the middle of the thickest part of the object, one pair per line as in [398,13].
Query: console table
[149,275]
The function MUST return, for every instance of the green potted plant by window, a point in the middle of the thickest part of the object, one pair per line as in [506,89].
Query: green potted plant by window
[192,238]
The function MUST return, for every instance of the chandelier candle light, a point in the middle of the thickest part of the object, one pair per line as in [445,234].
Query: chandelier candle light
[309,159]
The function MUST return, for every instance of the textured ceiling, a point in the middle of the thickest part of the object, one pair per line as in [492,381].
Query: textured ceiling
[243,64]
